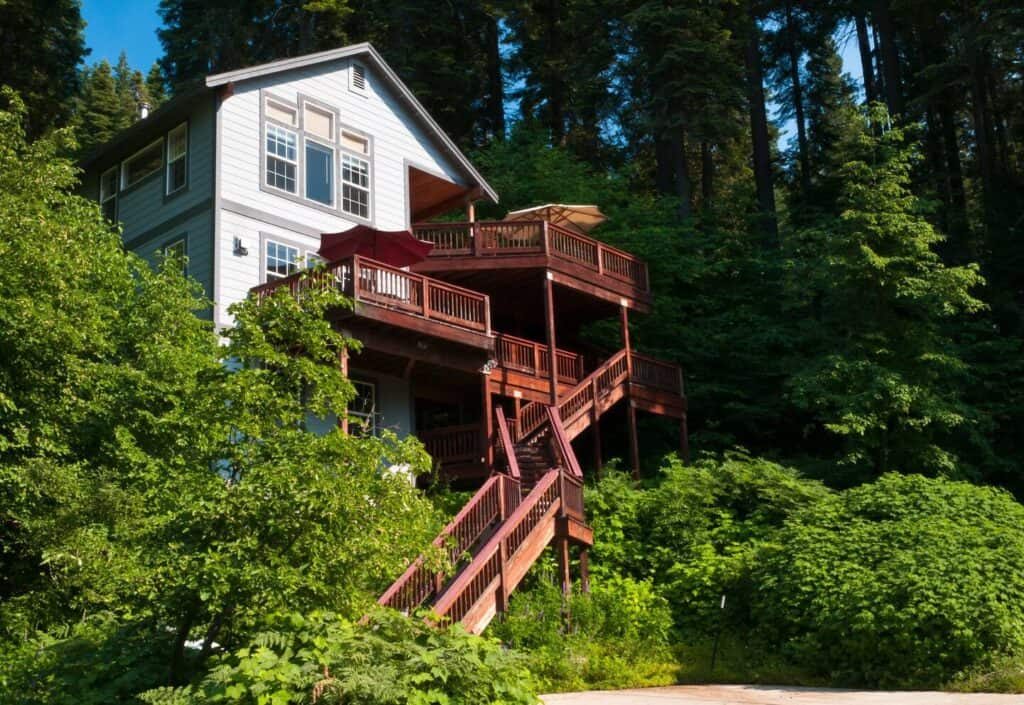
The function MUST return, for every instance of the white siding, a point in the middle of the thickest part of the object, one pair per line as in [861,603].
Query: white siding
[396,138]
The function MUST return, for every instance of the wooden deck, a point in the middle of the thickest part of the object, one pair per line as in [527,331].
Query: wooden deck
[398,298]
[575,261]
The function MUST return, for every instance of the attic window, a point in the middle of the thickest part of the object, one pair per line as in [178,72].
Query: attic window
[357,78]
[281,113]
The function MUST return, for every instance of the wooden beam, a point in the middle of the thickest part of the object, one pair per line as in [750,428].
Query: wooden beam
[596,435]
[684,440]
[549,314]
[564,566]
[634,447]
[343,363]
[487,427]
[431,350]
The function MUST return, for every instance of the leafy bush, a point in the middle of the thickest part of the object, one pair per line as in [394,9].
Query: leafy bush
[902,582]
[696,533]
[614,637]
[391,660]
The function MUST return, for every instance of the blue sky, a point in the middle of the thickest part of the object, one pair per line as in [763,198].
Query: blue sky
[113,25]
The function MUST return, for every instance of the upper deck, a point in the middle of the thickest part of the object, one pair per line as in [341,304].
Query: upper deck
[574,260]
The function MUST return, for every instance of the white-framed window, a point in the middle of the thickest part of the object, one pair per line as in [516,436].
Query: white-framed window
[280,260]
[177,158]
[146,161]
[319,173]
[276,110]
[355,186]
[318,122]
[362,410]
[177,251]
[108,193]
[357,78]
[282,158]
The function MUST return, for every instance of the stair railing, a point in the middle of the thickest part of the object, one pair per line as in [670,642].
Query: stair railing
[508,449]
[490,562]
[563,448]
[498,497]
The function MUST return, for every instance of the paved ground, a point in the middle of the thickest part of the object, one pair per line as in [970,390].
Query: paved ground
[771,695]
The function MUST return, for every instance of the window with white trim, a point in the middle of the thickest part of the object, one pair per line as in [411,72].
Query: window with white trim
[108,193]
[282,158]
[176,252]
[177,158]
[362,410]
[280,261]
[355,186]
[146,161]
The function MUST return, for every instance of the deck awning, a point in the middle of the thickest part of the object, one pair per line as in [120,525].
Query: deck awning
[581,219]
[399,248]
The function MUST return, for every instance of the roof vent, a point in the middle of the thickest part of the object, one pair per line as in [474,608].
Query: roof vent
[358,76]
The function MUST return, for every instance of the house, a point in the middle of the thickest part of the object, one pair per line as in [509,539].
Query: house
[476,349]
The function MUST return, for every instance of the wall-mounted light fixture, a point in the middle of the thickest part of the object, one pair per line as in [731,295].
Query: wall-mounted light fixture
[240,249]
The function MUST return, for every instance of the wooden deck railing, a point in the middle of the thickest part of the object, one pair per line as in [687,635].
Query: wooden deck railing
[532,358]
[453,444]
[496,500]
[369,281]
[496,238]
[490,562]
[616,370]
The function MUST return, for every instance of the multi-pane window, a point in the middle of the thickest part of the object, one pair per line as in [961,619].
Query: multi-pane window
[143,163]
[362,410]
[281,260]
[176,252]
[355,186]
[282,158]
[108,193]
[319,173]
[177,158]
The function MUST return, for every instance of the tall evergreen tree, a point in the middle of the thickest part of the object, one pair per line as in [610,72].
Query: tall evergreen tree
[99,113]
[41,45]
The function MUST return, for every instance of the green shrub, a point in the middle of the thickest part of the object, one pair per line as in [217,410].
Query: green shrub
[614,637]
[902,582]
[391,660]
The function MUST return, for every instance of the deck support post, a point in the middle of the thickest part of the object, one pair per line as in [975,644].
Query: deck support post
[549,314]
[564,566]
[595,426]
[684,440]
[634,447]
[343,364]
[487,424]
[584,569]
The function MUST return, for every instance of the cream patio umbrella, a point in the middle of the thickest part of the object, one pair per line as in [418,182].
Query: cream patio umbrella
[580,219]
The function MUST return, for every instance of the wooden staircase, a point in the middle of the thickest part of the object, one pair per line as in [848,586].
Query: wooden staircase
[501,532]
[649,383]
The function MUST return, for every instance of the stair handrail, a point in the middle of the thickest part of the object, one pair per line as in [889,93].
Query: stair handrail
[531,422]
[487,563]
[417,582]
[563,448]
[507,447]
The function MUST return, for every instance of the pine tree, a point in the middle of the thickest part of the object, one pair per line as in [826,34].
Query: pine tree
[99,114]
[41,45]
[156,86]
[885,377]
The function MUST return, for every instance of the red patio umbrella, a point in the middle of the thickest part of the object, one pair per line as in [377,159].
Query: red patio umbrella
[399,248]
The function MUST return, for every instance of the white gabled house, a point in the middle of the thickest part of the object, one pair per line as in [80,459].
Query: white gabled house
[243,173]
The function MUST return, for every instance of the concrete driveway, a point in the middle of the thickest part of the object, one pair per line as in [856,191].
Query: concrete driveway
[771,695]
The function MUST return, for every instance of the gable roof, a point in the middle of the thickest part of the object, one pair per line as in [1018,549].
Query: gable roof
[374,59]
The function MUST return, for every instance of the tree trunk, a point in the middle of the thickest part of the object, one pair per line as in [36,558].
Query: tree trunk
[760,140]
[495,85]
[866,63]
[707,174]
[177,666]
[890,57]
[663,173]
[982,130]
[556,88]
[798,100]
[681,169]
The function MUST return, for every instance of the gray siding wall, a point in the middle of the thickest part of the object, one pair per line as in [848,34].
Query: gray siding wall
[246,209]
[150,220]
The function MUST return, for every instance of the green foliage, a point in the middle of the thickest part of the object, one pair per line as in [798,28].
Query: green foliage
[697,532]
[149,472]
[902,582]
[390,660]
[616,636]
